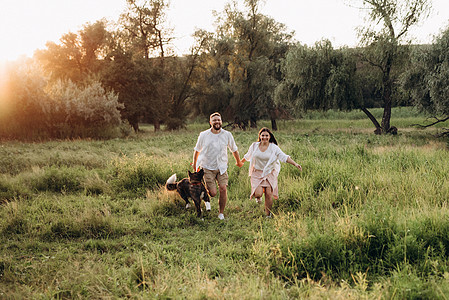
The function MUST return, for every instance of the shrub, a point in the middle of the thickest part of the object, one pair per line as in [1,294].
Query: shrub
[21,114]
[33,109]
[132,177]
[73,108]
[62,179]
[10,191]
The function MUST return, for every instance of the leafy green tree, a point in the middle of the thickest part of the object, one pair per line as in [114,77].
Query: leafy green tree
[428,78]
[212,87]
[146,35]
[144,28]
[78,55]
[389,22]
[134,81]
[319,78]
[255,44]
[183,74]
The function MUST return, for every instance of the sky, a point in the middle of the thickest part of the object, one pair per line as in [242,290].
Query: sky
[26,25]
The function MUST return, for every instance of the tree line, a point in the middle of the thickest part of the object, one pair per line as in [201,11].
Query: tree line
[249,69]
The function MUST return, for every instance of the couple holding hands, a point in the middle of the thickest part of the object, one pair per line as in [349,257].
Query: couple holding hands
[264,157]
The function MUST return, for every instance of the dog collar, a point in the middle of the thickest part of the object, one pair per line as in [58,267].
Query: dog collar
[195,183]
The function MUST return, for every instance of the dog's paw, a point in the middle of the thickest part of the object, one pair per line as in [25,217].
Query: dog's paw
[207,206]
[187,205]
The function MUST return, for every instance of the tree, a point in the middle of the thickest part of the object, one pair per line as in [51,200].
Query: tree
[78,54]
[319,78]
[147,38]
[182,77]
[256,44]
[212,87]
[428,78]
[389,24]
[144,31]
[134,81]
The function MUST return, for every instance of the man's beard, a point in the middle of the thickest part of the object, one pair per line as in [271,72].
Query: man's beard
[217,126]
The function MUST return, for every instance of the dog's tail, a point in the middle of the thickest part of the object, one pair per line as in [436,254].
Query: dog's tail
[171,184]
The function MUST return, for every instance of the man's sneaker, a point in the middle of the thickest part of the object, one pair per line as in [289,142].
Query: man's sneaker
[221,216]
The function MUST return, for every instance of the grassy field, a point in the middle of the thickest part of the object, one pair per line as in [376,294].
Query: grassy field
[367,218]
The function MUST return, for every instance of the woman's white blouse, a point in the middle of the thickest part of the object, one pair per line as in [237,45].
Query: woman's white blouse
[273,162]
[261,158]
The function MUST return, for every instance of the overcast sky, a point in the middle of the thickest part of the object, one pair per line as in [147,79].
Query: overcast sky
[26,25]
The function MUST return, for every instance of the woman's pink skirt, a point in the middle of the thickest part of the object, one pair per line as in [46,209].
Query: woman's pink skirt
[270,180]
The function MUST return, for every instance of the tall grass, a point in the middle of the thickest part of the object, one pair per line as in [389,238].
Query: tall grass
[367,218]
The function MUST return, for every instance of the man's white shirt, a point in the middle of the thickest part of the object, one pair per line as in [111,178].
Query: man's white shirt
[213,149]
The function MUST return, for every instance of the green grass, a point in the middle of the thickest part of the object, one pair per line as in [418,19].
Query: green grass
[367,218]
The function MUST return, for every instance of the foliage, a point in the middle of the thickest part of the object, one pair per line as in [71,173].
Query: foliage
[35,108]
[427,79]
[248,69]
[21,111]
[243,64]
[160,92]
[183,76]
[136,82]
[89,106]
[388,23]
[77,55]
[319,77]
[144,28]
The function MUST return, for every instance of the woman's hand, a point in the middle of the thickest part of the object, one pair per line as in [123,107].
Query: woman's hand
[294,163]
[240,163]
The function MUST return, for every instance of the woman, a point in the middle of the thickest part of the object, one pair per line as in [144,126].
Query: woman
[264,158]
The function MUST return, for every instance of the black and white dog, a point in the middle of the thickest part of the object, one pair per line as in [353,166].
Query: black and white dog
[192,187]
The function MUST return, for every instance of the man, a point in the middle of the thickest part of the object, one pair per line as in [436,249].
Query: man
[210,153]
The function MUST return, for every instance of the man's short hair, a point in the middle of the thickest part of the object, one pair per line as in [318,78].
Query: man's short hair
[214,114]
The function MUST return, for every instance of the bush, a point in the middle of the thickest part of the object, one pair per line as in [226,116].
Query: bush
[133,177]
[74,107]
[62,179]
[10,191]
[34,109]
[21,114]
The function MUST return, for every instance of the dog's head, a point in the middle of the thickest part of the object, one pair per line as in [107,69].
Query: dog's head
[196,177]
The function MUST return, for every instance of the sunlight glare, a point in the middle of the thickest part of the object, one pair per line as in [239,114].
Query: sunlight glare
[4,90]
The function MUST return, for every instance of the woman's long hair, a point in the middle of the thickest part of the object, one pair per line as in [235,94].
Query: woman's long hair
[272,138]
